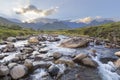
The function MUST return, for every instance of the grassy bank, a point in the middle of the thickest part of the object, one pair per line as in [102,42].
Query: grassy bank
[7,31]
[103,31]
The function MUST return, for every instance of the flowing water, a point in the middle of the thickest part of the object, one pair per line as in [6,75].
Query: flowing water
[106,71]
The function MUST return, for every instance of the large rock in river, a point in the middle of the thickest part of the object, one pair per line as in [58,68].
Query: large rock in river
[33,40]
[117,53]
[83,59]
[11,39]
[74,43]
[79,57]
[4,71]
[9,48]
[18,71]
[89,62]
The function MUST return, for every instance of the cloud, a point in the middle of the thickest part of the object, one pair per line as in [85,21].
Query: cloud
[86,19]
[31,12]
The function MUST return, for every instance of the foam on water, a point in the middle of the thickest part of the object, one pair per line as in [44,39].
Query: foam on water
[107,70]
[39,74]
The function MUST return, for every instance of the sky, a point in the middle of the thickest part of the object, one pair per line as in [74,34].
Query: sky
[28,10]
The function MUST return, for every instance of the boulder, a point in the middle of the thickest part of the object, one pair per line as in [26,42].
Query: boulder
[68,63]
[53,71]
[15,59]
[11,65]
[42,38]
[74,43]
[53,39]
[117,53]
[2,56]
[27,50]
[21,56]
[18,71]
[9,48]
[3,42]
[79,57]
[43,50]
[57,55]
[11,39]
[89,62]
[4,71]
[33,40]
[41,64]
[28,63]
[117,63]
[98,42]
[21,37]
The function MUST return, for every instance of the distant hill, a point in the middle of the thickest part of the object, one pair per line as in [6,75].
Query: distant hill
[52,24]
[4,21]
[81,24]
[109,30]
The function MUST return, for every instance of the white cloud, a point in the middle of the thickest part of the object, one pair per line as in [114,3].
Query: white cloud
[30,13]
[86,19]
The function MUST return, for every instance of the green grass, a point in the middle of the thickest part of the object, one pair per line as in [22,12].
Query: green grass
[6,31]
[106,31]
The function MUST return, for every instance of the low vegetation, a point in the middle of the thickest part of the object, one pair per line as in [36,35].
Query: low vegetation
[102,31]
[6,31]
[109,31]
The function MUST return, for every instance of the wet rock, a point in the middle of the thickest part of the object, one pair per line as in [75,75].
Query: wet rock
[98,42]
[2,56]
[89,62]
[20,56]
[53,71]
[57,55]
[53,39]
[107,59]
[4,70]
[74,43]
[11,39]
[42,38]
[81,73]
[68,63]
[21,37]
[11,65]
[79,57]
[27,50]
[18,71]
[28,63]
[3,42]
[15,59]
[117,53]
[33,40]
[117,63]
[8,48]
[41,64]
[38,57]
[43,50]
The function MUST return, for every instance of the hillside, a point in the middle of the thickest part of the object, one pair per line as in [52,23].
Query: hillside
[109,31]
[14,30]
[54,26]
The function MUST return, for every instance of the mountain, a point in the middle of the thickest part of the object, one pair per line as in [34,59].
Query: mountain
[54,26]
[14,20]
[4,21]
[91,23]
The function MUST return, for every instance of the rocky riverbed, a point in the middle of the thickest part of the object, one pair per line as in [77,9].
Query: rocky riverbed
[58,57]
